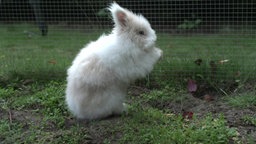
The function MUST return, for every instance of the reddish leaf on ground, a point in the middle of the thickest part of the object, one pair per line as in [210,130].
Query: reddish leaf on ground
[208,98]
[237,74]
[192,86]
[187,115]
[52,61]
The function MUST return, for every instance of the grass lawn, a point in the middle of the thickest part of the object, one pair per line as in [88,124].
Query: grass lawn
[161,110]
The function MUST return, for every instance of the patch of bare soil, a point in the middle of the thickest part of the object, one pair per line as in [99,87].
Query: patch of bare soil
[27,117]
[202,107]
[99,130]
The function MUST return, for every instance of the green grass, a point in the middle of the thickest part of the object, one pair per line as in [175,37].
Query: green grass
[161,128]
[249,120]
[26,55]
[244,100]
[17,134]
[32,89]
[181,52]
[44,118]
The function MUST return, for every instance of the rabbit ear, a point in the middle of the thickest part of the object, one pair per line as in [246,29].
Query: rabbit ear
[121,17]
[119,14]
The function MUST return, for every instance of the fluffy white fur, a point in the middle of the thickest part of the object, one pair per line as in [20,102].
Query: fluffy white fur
[100,74]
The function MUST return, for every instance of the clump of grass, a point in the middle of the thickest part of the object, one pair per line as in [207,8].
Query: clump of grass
[10,132]
[48,99]
[39,115]
[161,98]
[249,120]
[154,126]
[17,133]
[245,100]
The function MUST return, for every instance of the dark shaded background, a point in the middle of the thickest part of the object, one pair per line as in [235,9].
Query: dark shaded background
[168,12]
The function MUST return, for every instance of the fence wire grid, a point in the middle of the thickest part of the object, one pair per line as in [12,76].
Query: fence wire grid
[200,38]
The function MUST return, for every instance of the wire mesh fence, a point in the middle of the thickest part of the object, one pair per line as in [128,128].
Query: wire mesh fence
[203,16]
[208,41]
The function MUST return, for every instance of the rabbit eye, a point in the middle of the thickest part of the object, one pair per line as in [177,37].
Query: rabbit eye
[141,33]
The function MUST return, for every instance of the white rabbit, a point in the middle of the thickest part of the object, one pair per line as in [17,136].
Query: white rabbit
[101,73]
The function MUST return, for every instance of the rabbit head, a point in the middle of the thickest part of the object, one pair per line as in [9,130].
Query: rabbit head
[132,27]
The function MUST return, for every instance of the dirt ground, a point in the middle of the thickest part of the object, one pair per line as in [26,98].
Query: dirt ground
[233,115]
[201,106]
[197,106]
